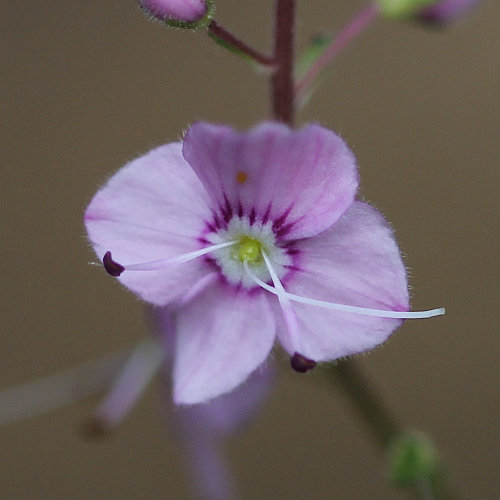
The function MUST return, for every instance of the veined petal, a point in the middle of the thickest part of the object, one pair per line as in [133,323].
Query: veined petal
[356,262]
[223,335]
[153,208]
[302,180]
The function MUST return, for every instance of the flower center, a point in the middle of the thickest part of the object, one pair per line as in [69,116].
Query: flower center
[250,241]
[248,250]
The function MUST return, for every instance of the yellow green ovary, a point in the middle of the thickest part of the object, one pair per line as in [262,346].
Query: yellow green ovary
[249,250]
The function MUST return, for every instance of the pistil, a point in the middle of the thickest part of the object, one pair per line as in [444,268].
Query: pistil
[249,250]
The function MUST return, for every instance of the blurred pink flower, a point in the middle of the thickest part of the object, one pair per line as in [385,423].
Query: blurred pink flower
[444,11]
[271,242]
[203,428]
[184,11]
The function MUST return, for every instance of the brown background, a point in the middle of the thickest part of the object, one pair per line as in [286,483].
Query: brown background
[89,85]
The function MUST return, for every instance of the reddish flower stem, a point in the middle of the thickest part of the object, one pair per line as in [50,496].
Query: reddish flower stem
[356,26]
[221,34]
[282,80]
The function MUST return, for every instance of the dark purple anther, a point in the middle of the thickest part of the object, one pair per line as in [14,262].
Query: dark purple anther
[301,364]
[111,266]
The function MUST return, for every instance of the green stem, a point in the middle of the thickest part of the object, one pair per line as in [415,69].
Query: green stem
[368,405]
[385,428]
[361,21]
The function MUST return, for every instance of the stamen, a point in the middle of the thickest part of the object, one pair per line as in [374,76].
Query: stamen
[301,364]
[111,266]
[58,390]
[366,311]
[287,308]
[128,387]
[115,269]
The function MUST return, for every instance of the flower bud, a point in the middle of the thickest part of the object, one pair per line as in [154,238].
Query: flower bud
[402,9]
[430,11]
[412,458]
[191,14]
[445,11]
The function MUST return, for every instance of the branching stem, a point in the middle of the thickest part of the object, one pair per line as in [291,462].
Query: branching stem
[222,35]
[356,26]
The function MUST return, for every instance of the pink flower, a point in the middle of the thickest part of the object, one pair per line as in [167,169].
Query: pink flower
[445,11]
[178,12]
[249,236]
[202,428]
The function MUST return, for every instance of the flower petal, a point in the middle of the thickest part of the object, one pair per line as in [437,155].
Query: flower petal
[231,411]
[202,427]
[356,262]
[302,180]
[153,208]
[180,10]
[223,335]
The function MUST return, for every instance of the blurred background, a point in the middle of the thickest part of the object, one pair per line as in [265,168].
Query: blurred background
[87,86]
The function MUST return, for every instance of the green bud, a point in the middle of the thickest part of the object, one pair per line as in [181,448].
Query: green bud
[412,459]
[402,9]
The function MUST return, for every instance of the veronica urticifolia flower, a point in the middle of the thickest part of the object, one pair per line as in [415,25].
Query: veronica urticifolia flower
[249,236]
[192,14]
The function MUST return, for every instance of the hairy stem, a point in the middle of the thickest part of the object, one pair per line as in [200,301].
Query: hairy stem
[282,80]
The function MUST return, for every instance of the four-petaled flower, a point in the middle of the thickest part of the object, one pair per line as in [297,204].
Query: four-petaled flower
[249,236]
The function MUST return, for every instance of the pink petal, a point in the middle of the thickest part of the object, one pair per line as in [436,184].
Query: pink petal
[302,180]
[356,262]
[223,335]
[153,208]
[201,428]
[230,412]
[179,10]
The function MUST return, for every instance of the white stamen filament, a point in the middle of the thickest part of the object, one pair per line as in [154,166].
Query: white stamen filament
[381,313]
[284,300]
[157,265]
